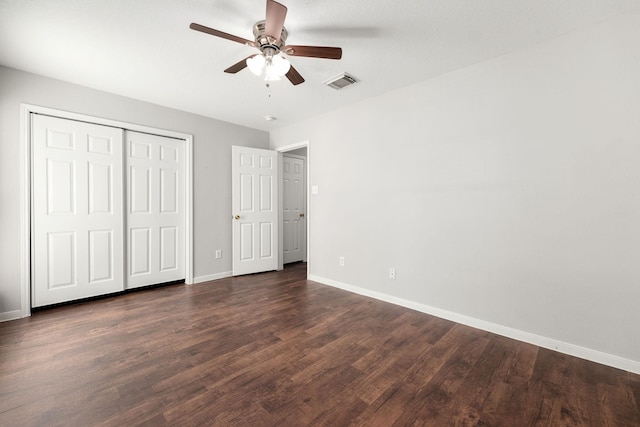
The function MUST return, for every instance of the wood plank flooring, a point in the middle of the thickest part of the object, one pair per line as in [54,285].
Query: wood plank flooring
[277,350]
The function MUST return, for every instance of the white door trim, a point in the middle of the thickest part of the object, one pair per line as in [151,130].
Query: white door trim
[281,151]
[25,189]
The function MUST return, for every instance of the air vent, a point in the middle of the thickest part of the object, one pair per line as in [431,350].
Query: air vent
[341,81]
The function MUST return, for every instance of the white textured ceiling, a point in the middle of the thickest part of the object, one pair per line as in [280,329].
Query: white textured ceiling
[144,49]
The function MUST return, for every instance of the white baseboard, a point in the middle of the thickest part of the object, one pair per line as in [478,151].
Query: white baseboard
[516,334]
[210,277]
[11,315]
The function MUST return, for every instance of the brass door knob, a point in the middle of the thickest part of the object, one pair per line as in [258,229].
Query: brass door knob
[301,215]
[236,217]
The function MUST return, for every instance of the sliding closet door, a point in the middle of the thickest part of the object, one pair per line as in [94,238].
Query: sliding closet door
[155,209]
[77,210]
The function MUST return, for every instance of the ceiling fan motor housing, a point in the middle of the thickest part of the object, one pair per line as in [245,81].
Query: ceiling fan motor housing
[266,43]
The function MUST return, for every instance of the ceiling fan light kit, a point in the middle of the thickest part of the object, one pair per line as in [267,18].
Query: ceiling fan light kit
[274,67]
[270,39]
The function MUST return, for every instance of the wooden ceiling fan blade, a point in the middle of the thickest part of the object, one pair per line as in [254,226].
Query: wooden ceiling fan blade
[276,14]
[314,51]
[294,76]
[239,66]
[221,34]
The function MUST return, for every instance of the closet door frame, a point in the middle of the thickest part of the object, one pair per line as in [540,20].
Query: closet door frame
[26,111]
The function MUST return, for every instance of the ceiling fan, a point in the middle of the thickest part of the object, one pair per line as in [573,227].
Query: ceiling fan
[270,39]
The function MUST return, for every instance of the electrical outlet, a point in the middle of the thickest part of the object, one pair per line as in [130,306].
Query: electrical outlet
[392,273]
[218,254]
[341,261]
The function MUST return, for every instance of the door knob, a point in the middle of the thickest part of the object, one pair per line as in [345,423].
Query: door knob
[236,217]
[301,215]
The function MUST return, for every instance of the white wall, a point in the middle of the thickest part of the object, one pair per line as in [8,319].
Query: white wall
[211,166]
[506,194]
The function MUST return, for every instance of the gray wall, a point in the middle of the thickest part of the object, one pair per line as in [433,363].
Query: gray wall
[507,192]
[211,165]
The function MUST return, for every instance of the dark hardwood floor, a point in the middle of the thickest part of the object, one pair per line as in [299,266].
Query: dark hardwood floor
[276,350]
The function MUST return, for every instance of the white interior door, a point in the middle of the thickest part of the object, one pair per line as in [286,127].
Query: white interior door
[77,212]
[293,209]
[255,210]
[155,209]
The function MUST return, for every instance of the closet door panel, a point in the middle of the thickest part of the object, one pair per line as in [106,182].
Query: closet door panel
[77,210]
[155,194]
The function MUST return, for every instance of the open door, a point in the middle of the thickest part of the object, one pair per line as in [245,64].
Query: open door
[294,206]
[255,210]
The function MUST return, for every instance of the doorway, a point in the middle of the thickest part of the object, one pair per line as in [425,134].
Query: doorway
[294,207]
[294,204]
[257,208]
